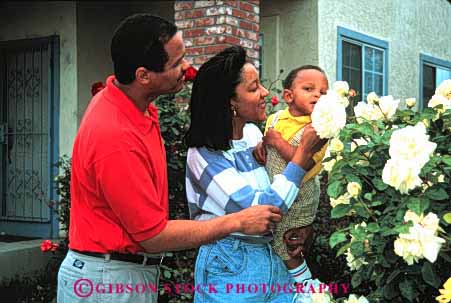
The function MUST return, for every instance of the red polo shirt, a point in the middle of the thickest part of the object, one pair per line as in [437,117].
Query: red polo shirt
[119,186]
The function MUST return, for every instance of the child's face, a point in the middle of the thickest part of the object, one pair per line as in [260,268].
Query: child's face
[305,91]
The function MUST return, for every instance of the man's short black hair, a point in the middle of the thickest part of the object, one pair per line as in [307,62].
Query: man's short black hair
[210,108]
[139,42]
[288,82]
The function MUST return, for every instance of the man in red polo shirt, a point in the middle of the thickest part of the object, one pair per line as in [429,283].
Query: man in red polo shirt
[119,189]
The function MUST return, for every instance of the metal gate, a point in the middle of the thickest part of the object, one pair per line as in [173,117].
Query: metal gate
[28,135]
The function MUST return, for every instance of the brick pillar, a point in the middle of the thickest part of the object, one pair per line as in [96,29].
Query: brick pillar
[210,26]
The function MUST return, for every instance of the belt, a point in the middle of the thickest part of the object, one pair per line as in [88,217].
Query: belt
[137,259]
[252,240]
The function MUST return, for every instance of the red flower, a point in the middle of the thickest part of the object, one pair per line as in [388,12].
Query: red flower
[352,93]
[54,247]
[46,245]
[97,87]
[274,100]
[190,74]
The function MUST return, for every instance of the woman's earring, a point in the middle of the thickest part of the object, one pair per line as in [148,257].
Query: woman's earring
[234,112]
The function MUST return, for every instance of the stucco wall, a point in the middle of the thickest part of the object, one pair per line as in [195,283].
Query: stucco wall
[96,22]
[290,30]
[410,27]
[21,20]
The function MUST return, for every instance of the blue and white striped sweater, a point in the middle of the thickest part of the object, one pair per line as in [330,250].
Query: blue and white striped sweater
[219,183]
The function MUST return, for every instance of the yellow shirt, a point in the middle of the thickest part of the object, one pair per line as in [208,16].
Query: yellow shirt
[288,125]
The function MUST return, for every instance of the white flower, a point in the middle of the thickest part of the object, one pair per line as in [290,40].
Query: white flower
[343,199]
[353,262]
[354,299]
[440,100]
[444,89]
[388,106]
[336,145]
[411,144]
[364,111]
[320,297]
[341,88]
[402,175]
[431,222]
[409,250]
[411,216]
[354,189]
[430,245]
[441,178]
[329,165]
[328,116]
[410,102]
[372,98]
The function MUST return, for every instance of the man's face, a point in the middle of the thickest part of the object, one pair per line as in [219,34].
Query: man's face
[172,78]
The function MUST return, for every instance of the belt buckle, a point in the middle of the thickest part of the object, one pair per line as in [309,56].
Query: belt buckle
[161,259]
[144,260]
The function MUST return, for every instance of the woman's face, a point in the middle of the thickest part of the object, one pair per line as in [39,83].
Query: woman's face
[249,102]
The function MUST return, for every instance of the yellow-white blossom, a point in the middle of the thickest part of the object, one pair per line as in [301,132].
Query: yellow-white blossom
[444,89]
[372,98]
[441,178]
[410,102]
[354,189]
[445,293]
[329,165]
[402,175]
[336,145]
[353,262]
[364,111]
[437,100]
[388,106]
[354,299]
[328,116]
[341,88]
[409,250]
[411,144]
[343,199]
[320,297]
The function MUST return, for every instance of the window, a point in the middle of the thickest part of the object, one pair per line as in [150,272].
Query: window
[433,71]
[362,62]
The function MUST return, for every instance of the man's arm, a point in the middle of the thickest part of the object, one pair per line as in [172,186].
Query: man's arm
[185,234]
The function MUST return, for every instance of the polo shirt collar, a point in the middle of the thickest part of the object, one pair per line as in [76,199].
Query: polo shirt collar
[302,120]
[114,95]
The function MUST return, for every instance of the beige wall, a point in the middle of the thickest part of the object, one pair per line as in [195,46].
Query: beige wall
[410,27]
[22,20]
[290,30]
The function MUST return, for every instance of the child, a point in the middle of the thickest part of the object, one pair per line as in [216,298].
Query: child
[302,89]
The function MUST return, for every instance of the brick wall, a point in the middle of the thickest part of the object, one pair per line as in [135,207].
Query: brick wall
[210,26]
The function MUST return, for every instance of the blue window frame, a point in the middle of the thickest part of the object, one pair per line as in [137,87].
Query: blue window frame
[362,61]
[433,71]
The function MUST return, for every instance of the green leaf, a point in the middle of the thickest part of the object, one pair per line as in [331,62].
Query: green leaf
[407,290]
[393,275]
[373,227]
[334,189]
[343,249]
[447,218]
[377,203]
[418,205]
[446,160]
[357,248]
[356,279]
[379,184]
[340,211]
[167,274]
[390,291]
[404,228]
[429,275]
[436,194]
[368,196]
[337,237]
[361,211]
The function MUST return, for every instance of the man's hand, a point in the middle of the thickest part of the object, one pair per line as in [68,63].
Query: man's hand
[259,219]
[259,153]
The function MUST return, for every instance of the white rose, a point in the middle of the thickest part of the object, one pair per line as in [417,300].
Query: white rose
[329,165]
[402,175]
[388,106]
[441,178]
[372,98]
[431,222]
[328,117]
[336,145]
[430,245]
[440,100]
[353,262]
[411,216]
[354,299]
[341,88]
[364,111]
[409,250]
[411,144]
[320,297]
[444,89]
[354,189]
[343,199]
[410,102]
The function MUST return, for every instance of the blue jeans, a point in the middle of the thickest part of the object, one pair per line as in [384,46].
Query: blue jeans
[233,270]
[88,279]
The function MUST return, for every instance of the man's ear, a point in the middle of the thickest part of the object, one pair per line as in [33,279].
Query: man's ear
[287,95]
[142,75]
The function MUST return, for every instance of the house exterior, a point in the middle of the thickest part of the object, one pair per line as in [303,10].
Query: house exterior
[51,53]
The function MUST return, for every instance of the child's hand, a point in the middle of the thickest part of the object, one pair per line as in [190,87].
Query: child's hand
[272,137]
[259,153]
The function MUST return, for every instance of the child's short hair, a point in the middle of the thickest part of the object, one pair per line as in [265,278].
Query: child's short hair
[293,73]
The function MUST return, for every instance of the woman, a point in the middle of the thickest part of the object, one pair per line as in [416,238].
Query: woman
[223,177]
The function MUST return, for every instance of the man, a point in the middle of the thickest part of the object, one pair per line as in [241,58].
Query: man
[119,190]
